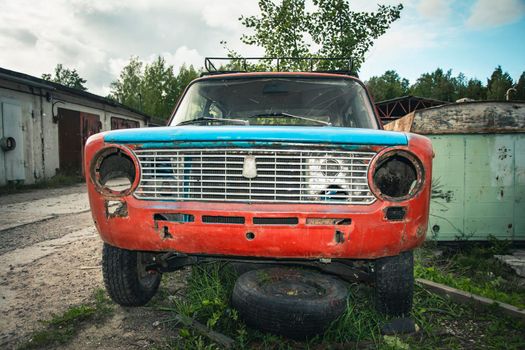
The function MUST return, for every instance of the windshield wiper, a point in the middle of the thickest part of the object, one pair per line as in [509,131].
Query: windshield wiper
[288,115]
[222,120]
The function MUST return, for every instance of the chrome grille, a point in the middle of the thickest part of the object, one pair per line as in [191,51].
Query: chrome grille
[283,176]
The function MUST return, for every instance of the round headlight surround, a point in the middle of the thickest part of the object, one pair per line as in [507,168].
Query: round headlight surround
[396,158]
[115,163]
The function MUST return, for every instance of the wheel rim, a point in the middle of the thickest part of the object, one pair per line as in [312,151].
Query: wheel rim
[147,277]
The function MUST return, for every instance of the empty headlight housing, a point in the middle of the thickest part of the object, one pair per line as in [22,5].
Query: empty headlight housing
[114,172]
[397,176]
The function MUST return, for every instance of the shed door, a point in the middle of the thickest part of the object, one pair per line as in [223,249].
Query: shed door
[74,128]
[90,125]
[11,125]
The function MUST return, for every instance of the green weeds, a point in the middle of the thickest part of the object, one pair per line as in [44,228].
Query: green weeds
[62,328]
[443,324]
[473,269]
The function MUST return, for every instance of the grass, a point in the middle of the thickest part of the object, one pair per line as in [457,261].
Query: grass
[473,268]
[59,180]
[62,328]
[444,324]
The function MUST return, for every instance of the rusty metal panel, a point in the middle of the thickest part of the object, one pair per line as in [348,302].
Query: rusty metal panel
[69,141]
[74,128]
[479,187]
[448,177]
[121,123]
[519,187]
[89,125]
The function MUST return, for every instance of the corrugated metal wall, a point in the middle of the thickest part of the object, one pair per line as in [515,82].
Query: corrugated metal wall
[478,187]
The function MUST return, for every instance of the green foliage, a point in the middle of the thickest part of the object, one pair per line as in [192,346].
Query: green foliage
[208,294]
[387,86]
[152,88]
[520,89]
[443,86]
[341,32]
[207,299]
[473,89]
[286,29]
[437,85]
[66,77]
[498,84]
[127,88]
[473,268]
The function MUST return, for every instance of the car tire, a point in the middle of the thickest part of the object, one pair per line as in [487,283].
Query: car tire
[127,281]
[394,284]
[295,303]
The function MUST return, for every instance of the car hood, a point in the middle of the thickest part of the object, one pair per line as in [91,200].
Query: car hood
[228,133]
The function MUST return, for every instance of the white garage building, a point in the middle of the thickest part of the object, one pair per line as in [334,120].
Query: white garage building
[44,126]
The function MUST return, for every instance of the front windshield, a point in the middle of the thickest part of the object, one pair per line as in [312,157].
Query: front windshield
[276,101]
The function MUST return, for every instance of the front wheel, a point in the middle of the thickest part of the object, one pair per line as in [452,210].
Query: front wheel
[127,279]
[394,284]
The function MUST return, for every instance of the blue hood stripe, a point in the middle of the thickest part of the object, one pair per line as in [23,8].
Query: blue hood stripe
[296,134]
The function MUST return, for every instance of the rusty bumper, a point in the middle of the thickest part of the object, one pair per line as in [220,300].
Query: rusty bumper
[270,231]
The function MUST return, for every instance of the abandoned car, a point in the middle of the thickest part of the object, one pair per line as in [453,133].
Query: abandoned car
[266,167]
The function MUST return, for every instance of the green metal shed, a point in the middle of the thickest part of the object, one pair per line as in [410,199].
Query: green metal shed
[478,180]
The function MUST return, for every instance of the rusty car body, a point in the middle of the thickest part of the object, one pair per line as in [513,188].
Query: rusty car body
[285,188]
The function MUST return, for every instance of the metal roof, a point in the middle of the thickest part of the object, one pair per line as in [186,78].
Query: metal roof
[49,85]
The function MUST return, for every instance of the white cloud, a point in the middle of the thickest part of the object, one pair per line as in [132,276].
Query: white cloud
[116,65]
[183,55]
[435,9]
[489,13]
[225,14]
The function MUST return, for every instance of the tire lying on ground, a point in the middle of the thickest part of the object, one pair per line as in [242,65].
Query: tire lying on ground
[394,284]
[296,303]
[127,280]
[241,268]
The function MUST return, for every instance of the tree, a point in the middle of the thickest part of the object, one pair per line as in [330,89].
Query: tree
[341,32]
[185,76]
[473,89]
[66,77]
[158,88]
[127,89]
[286,30]
[437,85]
[387,86]
[520,88]
[498,84]
[155,89]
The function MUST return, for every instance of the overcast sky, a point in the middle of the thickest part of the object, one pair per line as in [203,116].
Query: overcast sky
[97,37]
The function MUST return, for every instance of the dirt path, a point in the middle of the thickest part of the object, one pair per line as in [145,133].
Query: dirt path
[48,266]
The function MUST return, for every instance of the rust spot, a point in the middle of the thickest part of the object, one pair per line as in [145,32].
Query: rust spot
[116,209]
[328,221]
[339,237]
[166,233]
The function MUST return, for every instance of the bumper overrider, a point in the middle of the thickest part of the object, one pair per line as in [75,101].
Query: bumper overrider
[391,224]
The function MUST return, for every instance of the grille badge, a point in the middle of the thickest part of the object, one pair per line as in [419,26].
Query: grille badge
[249,168]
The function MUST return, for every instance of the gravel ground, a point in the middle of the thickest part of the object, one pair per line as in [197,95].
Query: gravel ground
[50,265]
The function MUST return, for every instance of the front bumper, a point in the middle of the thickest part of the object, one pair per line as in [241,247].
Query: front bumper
[369,234]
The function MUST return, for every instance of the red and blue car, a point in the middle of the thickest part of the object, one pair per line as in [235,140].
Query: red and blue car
[261,166]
